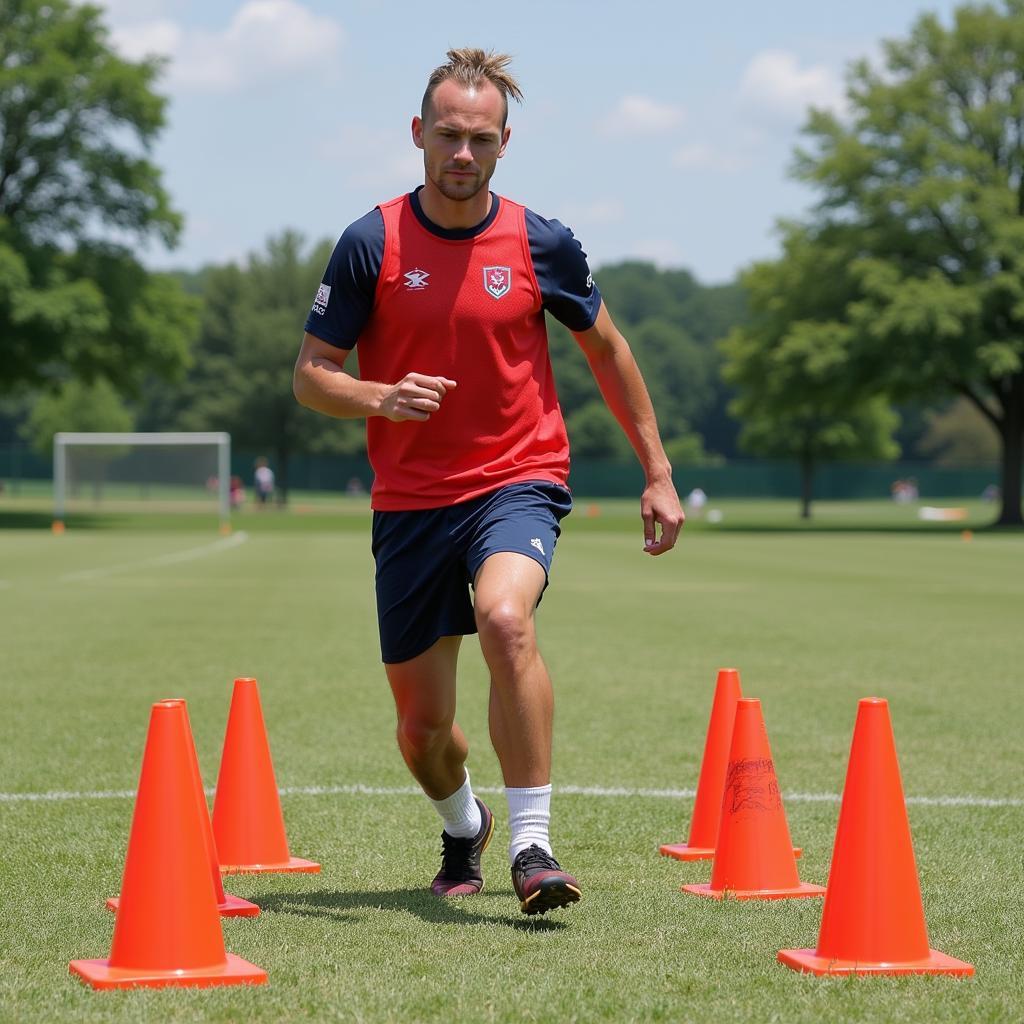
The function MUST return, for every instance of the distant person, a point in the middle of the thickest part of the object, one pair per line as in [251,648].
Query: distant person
[354,486]
[991,493]
[263,482]
[444,290]
[696,500]
[904,491]
[236,492]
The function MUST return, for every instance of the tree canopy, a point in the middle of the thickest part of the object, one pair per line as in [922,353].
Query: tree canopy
[77,193]
[921,187]
[241,378]
[799,392]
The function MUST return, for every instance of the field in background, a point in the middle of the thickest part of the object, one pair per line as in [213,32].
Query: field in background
[100,623]
[32,507]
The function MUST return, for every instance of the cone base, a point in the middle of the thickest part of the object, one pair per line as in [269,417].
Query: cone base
[802,891]
[234,971]
[808,961]
[291,865]
[233,906]
[683,851]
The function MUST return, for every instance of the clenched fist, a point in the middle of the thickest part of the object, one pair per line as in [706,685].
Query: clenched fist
[417,396]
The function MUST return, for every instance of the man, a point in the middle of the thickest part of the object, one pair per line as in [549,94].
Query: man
[263,478]
[444,290]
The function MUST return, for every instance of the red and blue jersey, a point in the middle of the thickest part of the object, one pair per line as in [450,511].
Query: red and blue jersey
[468,305]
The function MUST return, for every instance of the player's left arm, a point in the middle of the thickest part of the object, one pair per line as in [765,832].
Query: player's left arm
[625,393]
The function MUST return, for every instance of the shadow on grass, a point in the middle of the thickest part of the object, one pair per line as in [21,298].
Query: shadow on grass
[337,904]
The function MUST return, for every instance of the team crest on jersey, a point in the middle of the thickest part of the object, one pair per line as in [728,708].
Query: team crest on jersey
[416,280]
[497,281]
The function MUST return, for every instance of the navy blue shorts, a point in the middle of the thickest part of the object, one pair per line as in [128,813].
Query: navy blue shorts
[427,559]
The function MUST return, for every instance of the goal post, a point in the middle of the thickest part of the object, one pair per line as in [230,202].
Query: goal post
[141,460]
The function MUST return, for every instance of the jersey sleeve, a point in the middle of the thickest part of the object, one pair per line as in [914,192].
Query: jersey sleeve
[344,299]
[567,287]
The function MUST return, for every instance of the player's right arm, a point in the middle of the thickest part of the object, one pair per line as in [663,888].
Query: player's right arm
[343,304]
[321,383]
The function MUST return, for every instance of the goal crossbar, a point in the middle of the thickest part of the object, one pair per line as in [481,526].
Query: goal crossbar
[219,439]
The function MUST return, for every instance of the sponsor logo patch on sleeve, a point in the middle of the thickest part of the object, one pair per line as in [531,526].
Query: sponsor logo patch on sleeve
[323,296]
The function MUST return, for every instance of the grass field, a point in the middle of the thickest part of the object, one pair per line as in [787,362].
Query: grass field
[99,623]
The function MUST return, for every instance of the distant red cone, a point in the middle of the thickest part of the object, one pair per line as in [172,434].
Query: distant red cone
[248,827]
[873,918]
[753,853]
[707,806]
[227,905]
[167,930]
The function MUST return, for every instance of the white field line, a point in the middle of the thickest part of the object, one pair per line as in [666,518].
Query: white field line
[359,789]
[174,558]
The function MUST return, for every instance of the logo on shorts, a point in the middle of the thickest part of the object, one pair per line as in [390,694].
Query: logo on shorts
[535,542]
[323,296]
[497,281]
[416,280]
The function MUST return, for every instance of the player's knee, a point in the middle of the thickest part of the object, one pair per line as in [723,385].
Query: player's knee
[421,736]
[506,630]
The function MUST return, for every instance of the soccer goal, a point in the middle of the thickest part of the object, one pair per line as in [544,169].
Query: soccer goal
[140,472]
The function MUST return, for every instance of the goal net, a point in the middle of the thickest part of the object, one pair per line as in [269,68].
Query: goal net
[135,472]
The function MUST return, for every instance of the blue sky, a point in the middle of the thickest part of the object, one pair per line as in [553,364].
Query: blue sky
[656,130]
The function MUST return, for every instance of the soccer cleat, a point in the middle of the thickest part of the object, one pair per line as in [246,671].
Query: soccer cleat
[460,873]
[540,883]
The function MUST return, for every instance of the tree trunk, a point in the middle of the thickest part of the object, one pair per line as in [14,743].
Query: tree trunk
[1011,453]
[806,485]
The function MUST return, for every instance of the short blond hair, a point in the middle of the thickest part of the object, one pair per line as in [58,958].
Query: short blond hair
[471,67]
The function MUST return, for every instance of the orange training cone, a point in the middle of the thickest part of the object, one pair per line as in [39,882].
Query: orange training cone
[753,853]
[248,827]
[873,920]
[707,807]
[227,905]
[167,930]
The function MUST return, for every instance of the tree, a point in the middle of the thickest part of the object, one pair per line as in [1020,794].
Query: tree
[95,406]
[249,337]
[77,193]
[923,187]
[800,392]
[958,435]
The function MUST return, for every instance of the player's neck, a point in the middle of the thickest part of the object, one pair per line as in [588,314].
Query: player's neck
[451,213]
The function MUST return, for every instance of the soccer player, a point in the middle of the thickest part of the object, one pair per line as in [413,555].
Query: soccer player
[443,293]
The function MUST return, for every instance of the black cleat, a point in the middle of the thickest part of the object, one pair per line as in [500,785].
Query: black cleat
[540,883]
[460,873]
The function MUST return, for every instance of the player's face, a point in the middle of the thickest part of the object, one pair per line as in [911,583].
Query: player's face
[462,138]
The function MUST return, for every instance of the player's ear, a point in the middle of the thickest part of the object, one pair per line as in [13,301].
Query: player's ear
[505,136]
[417,132]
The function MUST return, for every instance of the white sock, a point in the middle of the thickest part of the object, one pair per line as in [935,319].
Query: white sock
[529,813]
[459,812]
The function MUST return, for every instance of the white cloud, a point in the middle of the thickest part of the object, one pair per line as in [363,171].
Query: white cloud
[776,85]
[264,38]
[705,157]
[383,159]
[598,212]
[162,38]
[640,115]
[662,252]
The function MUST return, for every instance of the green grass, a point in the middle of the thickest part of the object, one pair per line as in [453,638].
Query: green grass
[865,604]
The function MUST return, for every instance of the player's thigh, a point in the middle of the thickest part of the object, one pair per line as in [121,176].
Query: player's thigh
[508,584]
[424,686]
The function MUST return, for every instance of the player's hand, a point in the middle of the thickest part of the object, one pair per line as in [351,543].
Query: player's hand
[659,507]
[417,396]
